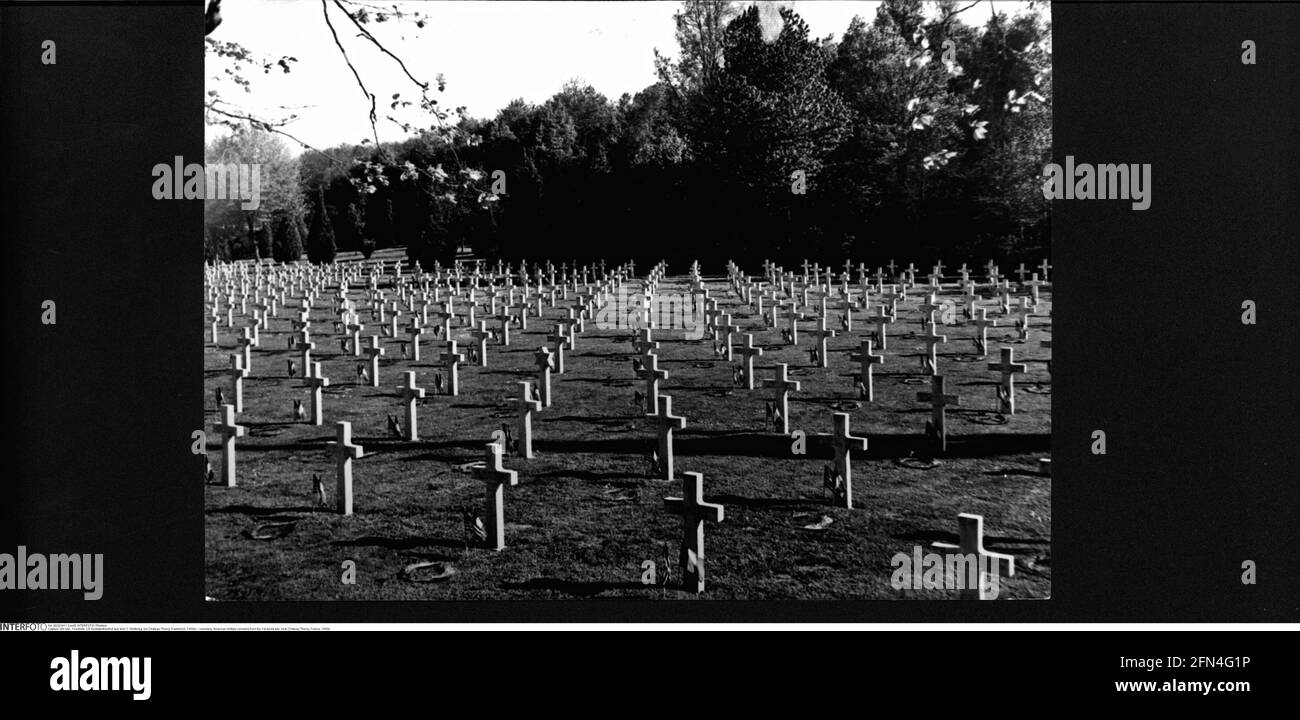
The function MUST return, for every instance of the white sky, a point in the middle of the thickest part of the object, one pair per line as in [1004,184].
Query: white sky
[488,52]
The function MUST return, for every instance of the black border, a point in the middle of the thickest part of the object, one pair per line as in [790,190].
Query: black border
[1198,408]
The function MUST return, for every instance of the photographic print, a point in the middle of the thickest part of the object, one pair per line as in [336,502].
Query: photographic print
[626,300]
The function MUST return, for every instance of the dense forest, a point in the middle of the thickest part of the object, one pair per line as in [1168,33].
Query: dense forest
[914,136]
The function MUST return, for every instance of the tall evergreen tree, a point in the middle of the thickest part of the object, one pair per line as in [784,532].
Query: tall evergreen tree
[288,244]
[320,239]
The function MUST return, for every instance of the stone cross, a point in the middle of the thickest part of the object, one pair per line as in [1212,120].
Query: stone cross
[374,352]
[415,331]
[794,323]
[229,431]
[527,406]
[561,340]
[570,324]
[481,335]
[306,346]
[694,511]
[931,341]
[664,420]
[782,386]
[410,395]
[970,531]
[354,328]
[245,342]
[748,352]
[843,444]
[1033,284]
[1007,387]
[504,318]
[882,319]
[522,308]
[1022,324]
[495,478]
[344,453]
[651,373]
[543,360]
[867,359]
[983,323]
[822,335]
[846,307]
[938,404]
[927,309]
[237,374]
[451,360]
[725,327]
[643,344]
[317,383]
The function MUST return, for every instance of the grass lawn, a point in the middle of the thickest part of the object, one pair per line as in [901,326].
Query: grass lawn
[585,516]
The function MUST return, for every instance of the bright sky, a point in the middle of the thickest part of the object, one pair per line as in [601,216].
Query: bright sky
[488,52]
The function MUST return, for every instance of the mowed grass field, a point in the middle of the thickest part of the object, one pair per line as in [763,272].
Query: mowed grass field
[585,515]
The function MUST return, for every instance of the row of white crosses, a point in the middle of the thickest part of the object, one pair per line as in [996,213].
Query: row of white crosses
[937,396]
[931,339]
[691,506]
[311,282]
[843,442]
[493,474]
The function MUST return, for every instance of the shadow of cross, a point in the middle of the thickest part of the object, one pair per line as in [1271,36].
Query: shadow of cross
[970,531]
[694,511]
[843,444]
[344,453]
[495,478]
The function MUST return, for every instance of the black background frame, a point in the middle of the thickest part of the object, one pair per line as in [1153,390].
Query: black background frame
[1200,411]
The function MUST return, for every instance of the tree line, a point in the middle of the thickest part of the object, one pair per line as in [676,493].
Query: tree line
[913,136]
